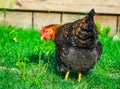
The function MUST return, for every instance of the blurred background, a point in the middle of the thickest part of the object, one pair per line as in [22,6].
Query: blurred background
[37,13]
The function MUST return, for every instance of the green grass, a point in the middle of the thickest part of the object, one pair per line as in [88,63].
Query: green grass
[27,62]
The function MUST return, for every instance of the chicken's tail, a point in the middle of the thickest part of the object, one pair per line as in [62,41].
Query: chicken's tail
[91,13]
[90,16]
[89,19]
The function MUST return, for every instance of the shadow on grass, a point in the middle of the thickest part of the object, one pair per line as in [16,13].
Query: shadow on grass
[34,58]
[52,65]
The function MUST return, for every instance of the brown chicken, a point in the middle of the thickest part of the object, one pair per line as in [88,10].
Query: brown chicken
[49,32]
[77,45]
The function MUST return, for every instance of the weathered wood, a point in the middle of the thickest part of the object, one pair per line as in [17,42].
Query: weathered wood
[42,19]
[70,17]
[1,17]
[119,24]
[101,6]
[20,19]
[107,21]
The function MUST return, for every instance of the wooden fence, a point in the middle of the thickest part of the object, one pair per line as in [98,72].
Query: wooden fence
[37,13]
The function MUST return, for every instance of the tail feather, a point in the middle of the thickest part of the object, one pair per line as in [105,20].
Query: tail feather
[91,13]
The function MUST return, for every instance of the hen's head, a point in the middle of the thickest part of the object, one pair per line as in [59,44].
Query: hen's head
[46,33]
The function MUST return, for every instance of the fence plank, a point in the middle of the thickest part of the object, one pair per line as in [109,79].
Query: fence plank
[20,19]
[119,24]
[42,19]
[101,6]
[107,21]
[1,17]
[70,17]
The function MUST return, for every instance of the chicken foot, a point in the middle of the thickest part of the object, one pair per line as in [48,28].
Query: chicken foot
[79,76]
[67,74]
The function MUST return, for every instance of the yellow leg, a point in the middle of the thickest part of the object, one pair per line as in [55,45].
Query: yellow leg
[79,76]
[67,74]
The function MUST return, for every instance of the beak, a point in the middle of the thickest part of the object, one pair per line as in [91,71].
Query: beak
[41,38]
[41,33]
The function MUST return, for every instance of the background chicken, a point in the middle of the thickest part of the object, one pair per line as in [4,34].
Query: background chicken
[77,45]
[49,32]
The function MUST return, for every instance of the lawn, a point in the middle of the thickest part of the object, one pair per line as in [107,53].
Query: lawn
[28,62]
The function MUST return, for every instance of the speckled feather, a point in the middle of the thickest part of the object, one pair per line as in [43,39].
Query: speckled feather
[77,45]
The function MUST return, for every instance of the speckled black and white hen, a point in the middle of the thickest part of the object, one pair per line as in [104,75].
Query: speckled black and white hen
[77,45]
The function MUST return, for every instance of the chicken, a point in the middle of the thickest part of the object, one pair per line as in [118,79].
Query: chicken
[49,32]
[77,45]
